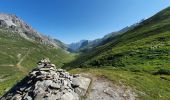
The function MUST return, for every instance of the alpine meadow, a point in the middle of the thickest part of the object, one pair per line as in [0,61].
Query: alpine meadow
[132,63]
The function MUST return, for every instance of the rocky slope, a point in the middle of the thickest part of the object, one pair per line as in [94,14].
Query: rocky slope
[48,83]
[13,23]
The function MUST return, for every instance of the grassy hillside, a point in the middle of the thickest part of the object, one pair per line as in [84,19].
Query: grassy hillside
[18,56]
[146,48]
[139,57]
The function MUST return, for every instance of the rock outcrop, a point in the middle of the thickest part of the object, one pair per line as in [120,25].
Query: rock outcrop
[48,83]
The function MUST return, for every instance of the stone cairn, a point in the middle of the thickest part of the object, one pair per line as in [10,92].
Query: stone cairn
[48,83]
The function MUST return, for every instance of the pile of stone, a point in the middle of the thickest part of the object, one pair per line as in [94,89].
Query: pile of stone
[48,83]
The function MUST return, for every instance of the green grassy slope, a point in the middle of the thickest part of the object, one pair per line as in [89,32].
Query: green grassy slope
[18,56]
[147,47]
[140,58]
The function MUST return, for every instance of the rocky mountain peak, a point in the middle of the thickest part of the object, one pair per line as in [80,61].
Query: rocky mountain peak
[15,24]
[45,82]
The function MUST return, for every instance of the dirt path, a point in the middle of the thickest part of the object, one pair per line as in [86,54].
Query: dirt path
[103,89]
[20,61]
[11,65]
[18,65]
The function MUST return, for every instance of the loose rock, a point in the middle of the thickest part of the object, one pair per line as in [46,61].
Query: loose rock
[48,83]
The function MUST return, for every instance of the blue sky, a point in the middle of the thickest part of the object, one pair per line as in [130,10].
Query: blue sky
[74,20]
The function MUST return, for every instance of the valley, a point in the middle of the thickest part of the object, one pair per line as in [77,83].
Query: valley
[139,58]
[135,61]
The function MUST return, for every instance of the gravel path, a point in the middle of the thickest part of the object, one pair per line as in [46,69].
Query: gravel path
[103,89]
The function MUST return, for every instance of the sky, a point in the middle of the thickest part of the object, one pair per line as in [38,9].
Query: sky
[74,20]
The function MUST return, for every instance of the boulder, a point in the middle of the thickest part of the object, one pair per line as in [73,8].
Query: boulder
[82,84]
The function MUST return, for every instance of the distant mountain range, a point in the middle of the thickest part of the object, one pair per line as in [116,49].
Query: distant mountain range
[84,45]
[13,23]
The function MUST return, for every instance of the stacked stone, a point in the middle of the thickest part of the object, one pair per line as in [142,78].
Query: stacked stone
[45,83]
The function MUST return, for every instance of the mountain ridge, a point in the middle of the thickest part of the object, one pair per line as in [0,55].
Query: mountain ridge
[16,24]
[138,58]
[84,45]
[105,55]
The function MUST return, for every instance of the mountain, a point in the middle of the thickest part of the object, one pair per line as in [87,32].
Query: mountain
[141,46]
[21,46]
[15,24]
[85,45]
[139,57]
[77,45]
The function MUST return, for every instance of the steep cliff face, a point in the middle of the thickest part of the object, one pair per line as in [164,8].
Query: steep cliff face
[48,83]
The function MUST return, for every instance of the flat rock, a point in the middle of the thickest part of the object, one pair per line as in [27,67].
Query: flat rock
[103,89]
[82,83]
